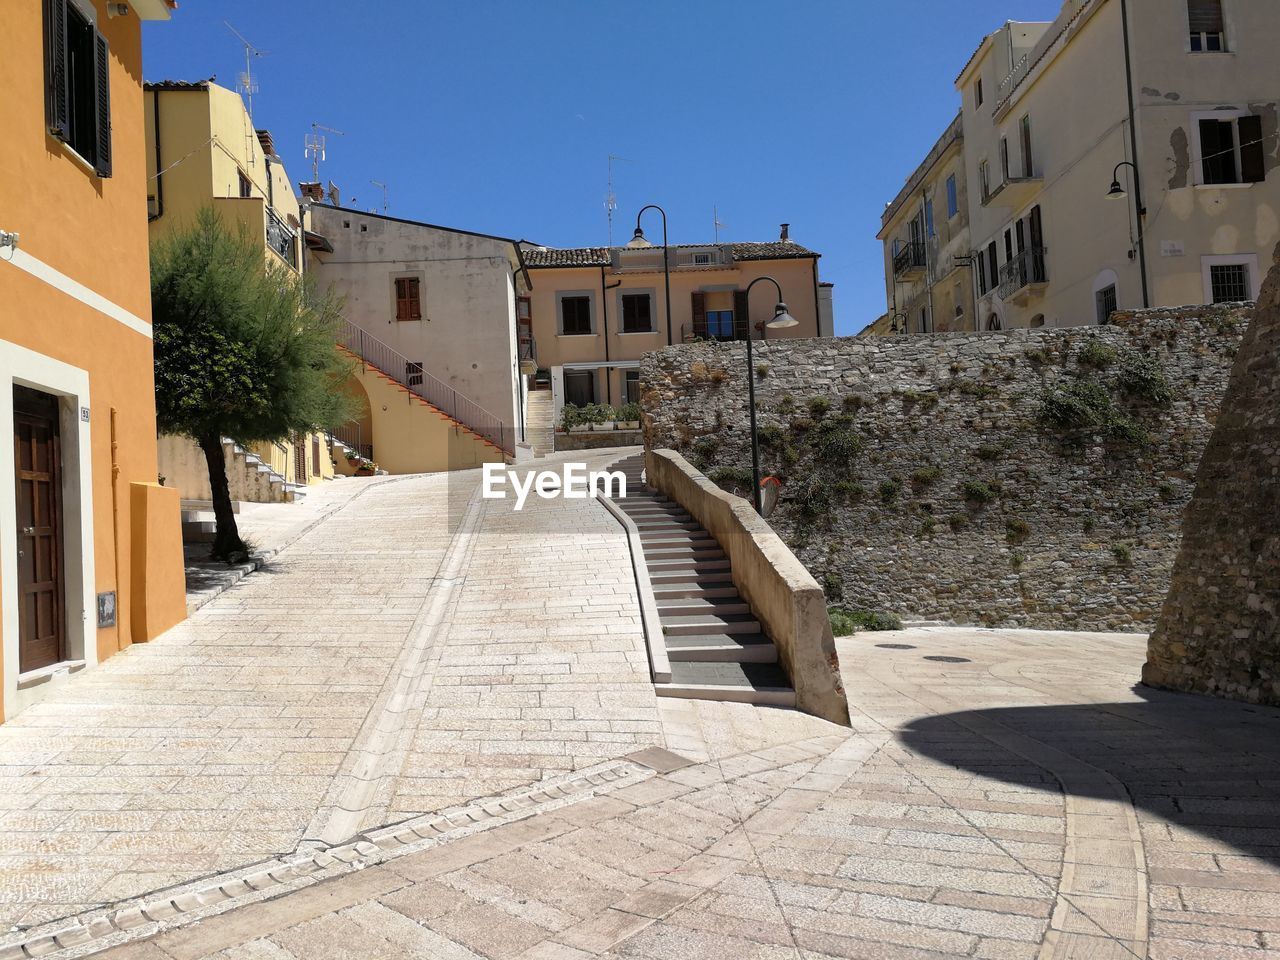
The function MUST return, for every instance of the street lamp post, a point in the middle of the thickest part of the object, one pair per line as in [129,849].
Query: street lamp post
[1118,192]
[638,240]
[781,319]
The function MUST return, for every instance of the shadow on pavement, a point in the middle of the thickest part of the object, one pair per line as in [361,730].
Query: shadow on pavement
[1206,765]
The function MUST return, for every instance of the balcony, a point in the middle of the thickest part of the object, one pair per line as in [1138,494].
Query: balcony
[281,239]
[910,259]
[1024,276]
[1014,191]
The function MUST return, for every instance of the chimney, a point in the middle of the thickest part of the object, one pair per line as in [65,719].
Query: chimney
[311,191]
[785,235]
[335,196]
[268,145]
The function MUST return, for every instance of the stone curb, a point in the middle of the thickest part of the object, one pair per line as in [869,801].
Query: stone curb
[268,879]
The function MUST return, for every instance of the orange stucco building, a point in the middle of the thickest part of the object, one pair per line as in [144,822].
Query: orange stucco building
[90,546]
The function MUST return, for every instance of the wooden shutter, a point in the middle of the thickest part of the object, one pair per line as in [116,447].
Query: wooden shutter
[415,298]
[699,307]
[1252,165]
[57,114]
[741,316]
[1205,16]
[102,97]
[982,274]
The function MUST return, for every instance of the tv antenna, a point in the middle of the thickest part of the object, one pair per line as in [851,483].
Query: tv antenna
[611,199]
[383,187]
[247,86]
[315,147]
[717,223]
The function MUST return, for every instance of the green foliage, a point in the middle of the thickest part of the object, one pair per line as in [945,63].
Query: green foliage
[852,403]
[927,400]
[1123,553]
[732,478]
[845,622]
[889,489]
[704,452]
[976,491]
[989,452]
[1016,560]
[1088,524]
[1097,354]
[835,442]
[786,403]
[802,425]
[762,370]
[771,436]
[832,587]
[847,489]
[1142,377]
[812,499]
[927,526]
[958,522]
[926,475]
[972,388]
[1039,357]
[1084,406]
[1167,492]
[818,407]
[627,411]
[1016,530]
[243,348]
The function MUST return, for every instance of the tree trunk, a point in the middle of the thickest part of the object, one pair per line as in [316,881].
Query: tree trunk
[226,541]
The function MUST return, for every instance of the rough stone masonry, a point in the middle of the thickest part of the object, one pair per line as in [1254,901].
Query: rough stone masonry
[1219,631]
[1026,478]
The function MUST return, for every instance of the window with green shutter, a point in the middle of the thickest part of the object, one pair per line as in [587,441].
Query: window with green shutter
[77,82]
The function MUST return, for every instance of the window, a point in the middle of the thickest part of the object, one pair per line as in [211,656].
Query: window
[637,314]
[412,373]
[977,93]
[984,180]
[1229,282]
[1024,130]
[1105,301]
[720,324]
[631,385]
[77,83]
[703,259]
[575,315]
[246,188]
[924,320]
[1204,18]
[579,387]
[982,274]
[953,202]
[928,218]
[993,265]
[1231,150]
[408,298]
[1004,159]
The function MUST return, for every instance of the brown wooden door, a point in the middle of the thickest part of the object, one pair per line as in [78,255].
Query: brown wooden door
[300,460]
[41,607]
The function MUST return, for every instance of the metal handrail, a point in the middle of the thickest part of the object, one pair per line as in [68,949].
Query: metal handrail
[351,435]
[910,254]
[1025,268]
[281,238]
[410,375]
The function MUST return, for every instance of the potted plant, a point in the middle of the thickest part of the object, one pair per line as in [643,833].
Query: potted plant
[366,468]
[627,417]
[574,418]
[600,415]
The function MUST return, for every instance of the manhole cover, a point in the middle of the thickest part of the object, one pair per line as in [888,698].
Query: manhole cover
[938,659]
[896,646]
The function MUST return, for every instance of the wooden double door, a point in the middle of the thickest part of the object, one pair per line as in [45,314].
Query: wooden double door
[42,622]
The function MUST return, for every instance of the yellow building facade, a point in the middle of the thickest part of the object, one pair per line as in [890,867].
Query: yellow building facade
[90,547]
[203,150]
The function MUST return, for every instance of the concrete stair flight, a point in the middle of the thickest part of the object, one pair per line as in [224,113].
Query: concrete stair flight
[718,650]
[539,425]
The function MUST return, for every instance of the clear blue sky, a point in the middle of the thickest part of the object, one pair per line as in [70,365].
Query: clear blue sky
[498,115]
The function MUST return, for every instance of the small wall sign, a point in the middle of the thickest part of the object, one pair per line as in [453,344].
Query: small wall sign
[1172,248]
[84,414]
[107,609]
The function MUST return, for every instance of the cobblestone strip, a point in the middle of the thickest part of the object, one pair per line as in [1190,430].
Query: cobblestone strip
[379,749]
[1100,908]
[277,877]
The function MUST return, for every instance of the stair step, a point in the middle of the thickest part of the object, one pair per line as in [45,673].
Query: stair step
[701,606]
[722,648]
[679,539]
[684,566]
[682,553]
[692,626]
[759,683]
[689,587]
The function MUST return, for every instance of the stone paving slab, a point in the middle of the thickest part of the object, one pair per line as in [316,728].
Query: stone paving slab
[975,810]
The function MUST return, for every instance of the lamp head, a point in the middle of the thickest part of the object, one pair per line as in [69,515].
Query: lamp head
[1116,192]
[637,240]
[781,318]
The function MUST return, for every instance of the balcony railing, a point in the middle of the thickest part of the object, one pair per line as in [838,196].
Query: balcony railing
[909,258]
[281,238]
[1022,271]
[410,375]
[353,435]
[719,330]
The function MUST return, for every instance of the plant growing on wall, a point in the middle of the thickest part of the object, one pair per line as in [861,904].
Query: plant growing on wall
[243,349]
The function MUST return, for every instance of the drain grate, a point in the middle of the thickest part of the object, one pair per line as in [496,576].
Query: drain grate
[896,646]
[939,659]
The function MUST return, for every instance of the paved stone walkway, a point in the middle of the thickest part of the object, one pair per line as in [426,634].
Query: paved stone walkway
[417,648]
[1024,802]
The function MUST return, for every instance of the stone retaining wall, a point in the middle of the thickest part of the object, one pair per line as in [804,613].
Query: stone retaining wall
[596,439]
[1219,627]
[938,484]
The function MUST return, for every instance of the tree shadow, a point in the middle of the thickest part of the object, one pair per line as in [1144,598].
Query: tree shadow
[1201,764]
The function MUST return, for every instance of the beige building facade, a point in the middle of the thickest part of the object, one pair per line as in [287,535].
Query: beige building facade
[1047,127]
[925,232]
[592,312]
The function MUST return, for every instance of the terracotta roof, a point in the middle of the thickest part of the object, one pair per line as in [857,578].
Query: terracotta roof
[179,84]
[601,256]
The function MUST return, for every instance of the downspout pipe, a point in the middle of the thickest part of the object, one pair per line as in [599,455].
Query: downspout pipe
[155,114]
[604,330]
[1133,146]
